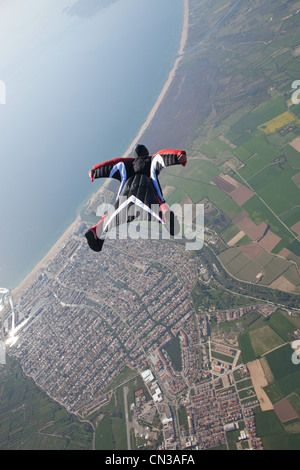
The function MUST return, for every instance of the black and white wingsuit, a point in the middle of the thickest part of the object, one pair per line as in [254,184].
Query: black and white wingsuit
[139,196]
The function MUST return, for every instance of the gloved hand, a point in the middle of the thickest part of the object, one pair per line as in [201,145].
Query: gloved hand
[182,159]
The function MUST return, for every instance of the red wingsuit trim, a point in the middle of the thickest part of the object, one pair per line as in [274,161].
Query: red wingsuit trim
[168,151]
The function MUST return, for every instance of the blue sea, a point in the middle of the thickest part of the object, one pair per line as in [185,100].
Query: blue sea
[79,78]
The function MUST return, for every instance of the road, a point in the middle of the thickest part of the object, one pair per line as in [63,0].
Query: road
[128,424]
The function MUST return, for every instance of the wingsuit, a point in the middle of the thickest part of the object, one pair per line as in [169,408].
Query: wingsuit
[139,196]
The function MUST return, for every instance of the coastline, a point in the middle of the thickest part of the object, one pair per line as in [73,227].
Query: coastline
[28,280]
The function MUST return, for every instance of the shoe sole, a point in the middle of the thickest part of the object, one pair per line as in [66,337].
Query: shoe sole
[94,243]
[172,224]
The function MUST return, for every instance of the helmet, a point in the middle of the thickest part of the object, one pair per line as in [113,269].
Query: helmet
[141,151]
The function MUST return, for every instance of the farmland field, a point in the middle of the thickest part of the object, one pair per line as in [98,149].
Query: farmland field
[274,435]
[277,123]
[284,199]
[280,323]
[261,114]
[245,343]
[280,362]
[258,144]
[292,155]
[229,232]
[253,165]
[264,339]
[259,212]
[29,419]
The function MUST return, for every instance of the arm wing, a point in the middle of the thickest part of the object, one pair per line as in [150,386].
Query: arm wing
[162,159]
[105,169]
[167,157]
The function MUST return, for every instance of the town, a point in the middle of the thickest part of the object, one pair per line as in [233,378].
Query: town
[88,318]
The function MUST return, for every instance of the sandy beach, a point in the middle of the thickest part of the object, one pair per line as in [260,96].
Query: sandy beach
[25,284]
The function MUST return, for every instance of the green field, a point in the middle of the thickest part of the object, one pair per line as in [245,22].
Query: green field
[264,339]
[246,347]
[104,435]
[30,420]
[230,208]
[292,156]
[260,337]
[111,433]
[257,144]
[281,364]
[259,115]
[281,200]
[264,334]
[252,166]
[229,232]
[259,212]
[242,153]
[273,433]
[280,322]
[193,180]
